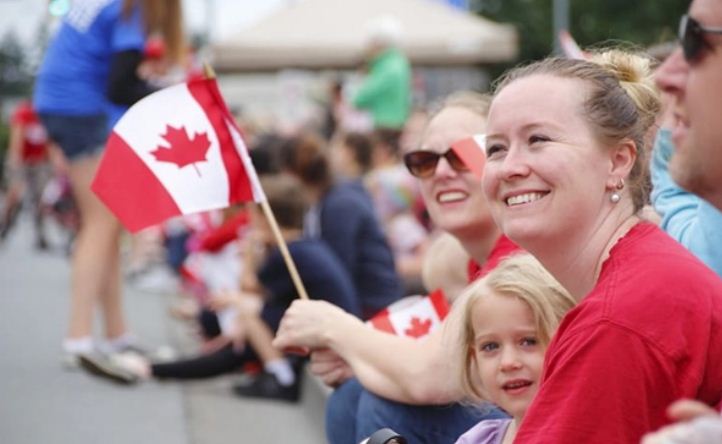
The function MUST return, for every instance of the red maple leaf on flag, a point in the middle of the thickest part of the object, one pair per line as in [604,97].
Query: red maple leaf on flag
[183,151]
[418,328]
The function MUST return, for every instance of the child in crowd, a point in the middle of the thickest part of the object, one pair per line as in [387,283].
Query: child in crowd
[343,216]
[505,322]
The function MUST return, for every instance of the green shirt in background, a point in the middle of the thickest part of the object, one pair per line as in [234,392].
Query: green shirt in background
[386,91]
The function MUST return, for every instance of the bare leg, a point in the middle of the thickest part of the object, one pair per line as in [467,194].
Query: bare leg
[12,206]
[95,258]
[111,299]
[260,337]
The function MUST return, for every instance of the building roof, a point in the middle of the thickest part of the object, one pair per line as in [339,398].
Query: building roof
[319,34]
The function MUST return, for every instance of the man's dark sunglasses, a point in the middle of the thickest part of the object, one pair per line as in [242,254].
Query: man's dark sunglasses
[691,36]
[422,163]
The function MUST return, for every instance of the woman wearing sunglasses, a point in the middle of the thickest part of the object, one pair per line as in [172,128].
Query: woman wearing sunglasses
[417,395]
[565,180]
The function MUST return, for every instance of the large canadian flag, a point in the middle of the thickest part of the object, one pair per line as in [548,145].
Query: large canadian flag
[177,151]
[413,316]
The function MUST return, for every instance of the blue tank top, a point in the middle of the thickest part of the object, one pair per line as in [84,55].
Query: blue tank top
[73,77]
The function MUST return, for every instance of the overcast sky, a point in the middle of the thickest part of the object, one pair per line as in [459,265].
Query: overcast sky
[229,16]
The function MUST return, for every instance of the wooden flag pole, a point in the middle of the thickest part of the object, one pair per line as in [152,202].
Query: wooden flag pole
[208,71]
[271,218]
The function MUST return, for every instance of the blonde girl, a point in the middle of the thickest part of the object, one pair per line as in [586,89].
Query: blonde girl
[505,322]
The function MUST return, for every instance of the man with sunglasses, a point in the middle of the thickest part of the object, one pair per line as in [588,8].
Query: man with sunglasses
[692,75]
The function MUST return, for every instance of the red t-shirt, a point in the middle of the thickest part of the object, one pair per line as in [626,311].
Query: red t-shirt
[218,237]
[649,333]
[35,139]
[501,249]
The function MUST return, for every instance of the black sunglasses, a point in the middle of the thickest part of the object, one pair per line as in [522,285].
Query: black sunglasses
[422,163]
[691,36]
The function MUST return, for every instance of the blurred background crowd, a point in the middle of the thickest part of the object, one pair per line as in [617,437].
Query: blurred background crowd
[329,96]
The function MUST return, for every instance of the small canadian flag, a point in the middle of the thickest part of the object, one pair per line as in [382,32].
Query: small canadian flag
[471,152]
[413,316]
[177,151]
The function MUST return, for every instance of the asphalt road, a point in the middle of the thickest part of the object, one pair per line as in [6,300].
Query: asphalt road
[40,402]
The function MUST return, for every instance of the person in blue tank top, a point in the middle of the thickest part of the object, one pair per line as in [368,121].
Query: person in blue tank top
[89,75]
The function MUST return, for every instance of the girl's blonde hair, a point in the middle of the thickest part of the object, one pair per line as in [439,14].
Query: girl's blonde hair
[520,276]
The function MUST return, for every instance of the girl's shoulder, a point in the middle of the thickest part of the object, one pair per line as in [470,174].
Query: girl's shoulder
[490,431]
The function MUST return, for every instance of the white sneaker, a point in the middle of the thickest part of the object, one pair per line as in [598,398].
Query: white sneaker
[101,365]
[159,280]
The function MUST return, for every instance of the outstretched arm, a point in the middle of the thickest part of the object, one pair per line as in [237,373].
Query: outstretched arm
[398,368]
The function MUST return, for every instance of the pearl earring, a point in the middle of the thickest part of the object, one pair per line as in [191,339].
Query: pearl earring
[615,197]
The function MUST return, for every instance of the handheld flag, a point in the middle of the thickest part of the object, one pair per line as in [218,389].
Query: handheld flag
[177,151]
[471,152]
[412,316]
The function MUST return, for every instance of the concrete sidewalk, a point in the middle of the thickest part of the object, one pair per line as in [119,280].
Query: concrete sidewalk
[42,403]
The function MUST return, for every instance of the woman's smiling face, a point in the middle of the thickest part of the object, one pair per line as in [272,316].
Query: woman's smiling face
[546,173]
[454,199]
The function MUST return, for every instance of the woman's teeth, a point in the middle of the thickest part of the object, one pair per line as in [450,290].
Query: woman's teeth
[451,196]
[523,198]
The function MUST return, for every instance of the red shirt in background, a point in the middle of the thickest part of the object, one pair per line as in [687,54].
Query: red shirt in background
[218,237]
[502,248]
[35,139]
[649,333]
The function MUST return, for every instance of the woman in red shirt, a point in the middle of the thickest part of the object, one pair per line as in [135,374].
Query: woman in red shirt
[565,179]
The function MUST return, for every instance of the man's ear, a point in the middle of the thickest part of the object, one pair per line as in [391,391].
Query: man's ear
[622,160]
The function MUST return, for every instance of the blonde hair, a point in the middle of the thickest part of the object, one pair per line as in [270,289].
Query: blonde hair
[520,276]
[473,101]
[622,103]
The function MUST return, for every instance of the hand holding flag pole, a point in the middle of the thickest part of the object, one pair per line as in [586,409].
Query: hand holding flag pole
[143,181]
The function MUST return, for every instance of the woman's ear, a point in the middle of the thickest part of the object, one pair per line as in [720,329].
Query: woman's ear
[622,158]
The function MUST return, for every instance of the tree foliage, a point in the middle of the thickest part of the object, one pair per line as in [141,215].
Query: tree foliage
[15,75]
[591,22]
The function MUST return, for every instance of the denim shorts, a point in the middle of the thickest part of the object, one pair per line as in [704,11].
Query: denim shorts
[77,136]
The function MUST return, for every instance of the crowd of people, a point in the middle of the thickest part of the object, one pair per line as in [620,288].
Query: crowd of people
[580,267]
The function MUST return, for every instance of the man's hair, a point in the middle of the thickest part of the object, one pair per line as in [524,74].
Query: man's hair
[304,156]
[287,199]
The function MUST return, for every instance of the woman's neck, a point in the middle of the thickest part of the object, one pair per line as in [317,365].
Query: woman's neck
[576,261]
[477,246]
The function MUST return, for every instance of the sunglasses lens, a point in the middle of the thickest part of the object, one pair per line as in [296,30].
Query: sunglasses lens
[421,163]
[455,161]
[691,38]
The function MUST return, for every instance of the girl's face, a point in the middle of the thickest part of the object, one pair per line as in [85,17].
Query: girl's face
[546,175]
[507,351]
[454,199]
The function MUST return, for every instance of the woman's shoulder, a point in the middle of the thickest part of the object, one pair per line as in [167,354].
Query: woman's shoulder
[647,251]
[649,277]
